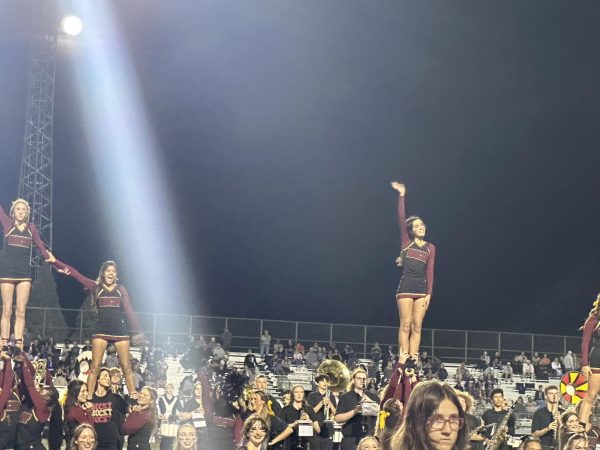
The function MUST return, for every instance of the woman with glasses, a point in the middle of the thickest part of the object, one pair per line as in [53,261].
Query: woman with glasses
[435,408]
[417,259]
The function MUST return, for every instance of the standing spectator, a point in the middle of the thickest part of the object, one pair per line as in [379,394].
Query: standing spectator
[376,353]
[312,360]
[495,415]
[108,411]
[226,339]
[295,412]
[168,407]
[569,362]
[545,420]
[350,411]
[265,344]
[250,365]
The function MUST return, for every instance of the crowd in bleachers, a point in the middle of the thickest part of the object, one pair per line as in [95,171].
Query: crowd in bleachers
[214,394]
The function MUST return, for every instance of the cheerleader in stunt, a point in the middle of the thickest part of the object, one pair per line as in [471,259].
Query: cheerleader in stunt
[15,268]
[417,259]
[111,300]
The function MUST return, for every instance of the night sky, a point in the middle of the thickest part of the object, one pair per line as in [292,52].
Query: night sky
[281,124]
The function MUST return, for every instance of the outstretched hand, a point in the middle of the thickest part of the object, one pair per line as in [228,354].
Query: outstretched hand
[51,258]
[65,271]
[398,187]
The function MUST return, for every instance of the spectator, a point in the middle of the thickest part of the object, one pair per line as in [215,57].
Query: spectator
[250,365]
[527,369]
[442,373]
[312,360]
[226,339]
[376,353]
[539,396]
[507,372]
[544,425]
[569,362]
[484,361]
[265,344]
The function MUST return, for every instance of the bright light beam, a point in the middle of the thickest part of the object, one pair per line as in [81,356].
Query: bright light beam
[133,196]
[71,25]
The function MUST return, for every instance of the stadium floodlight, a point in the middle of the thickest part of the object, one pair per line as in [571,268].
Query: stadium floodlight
[71,25]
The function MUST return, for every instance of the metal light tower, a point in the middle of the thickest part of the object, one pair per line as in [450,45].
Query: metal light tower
[35,182]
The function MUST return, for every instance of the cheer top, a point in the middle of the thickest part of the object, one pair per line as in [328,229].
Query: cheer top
[113,306]
[418,261]
[10,407]
[15,258]
[139,426]
[32,419]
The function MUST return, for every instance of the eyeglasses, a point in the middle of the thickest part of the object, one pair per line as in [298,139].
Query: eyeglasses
[438,423]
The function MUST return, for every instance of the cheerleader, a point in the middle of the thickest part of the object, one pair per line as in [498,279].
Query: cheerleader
[78,410]
[111,300]
[15,268]
[279,431]
[39,406]
[590,360]
[256,432]
[141,420]
[10,404]
[417,259]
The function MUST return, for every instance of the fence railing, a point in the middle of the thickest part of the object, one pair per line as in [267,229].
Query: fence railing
[448,345]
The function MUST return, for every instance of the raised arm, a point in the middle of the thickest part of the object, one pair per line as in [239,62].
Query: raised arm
[39,404]
[588,331]
[134,324]
[8,377]
[402,213]
[430,269]
[5,220]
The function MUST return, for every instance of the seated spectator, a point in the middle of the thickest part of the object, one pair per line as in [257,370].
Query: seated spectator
[556,368]
[527,369]
[484,361]
[535,359]
[442,373]
[312,360]
[298,359]
[507,372]
[376,353]
[520,405]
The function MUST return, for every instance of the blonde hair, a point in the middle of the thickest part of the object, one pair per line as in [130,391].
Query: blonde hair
[366,439]
[15,203]
[352,375]
[466,397]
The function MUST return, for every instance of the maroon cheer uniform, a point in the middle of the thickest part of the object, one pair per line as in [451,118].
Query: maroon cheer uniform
[112,304]
[34,414]
[138,426]
[418,262]
[15,258]
[10,407]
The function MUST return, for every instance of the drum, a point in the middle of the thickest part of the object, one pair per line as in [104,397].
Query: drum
[168,429]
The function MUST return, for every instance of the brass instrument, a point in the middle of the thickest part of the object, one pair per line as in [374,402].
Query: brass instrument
[337,372]
[40,371]
[500,433]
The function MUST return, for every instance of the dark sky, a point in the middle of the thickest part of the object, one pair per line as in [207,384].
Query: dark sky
[281,124]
